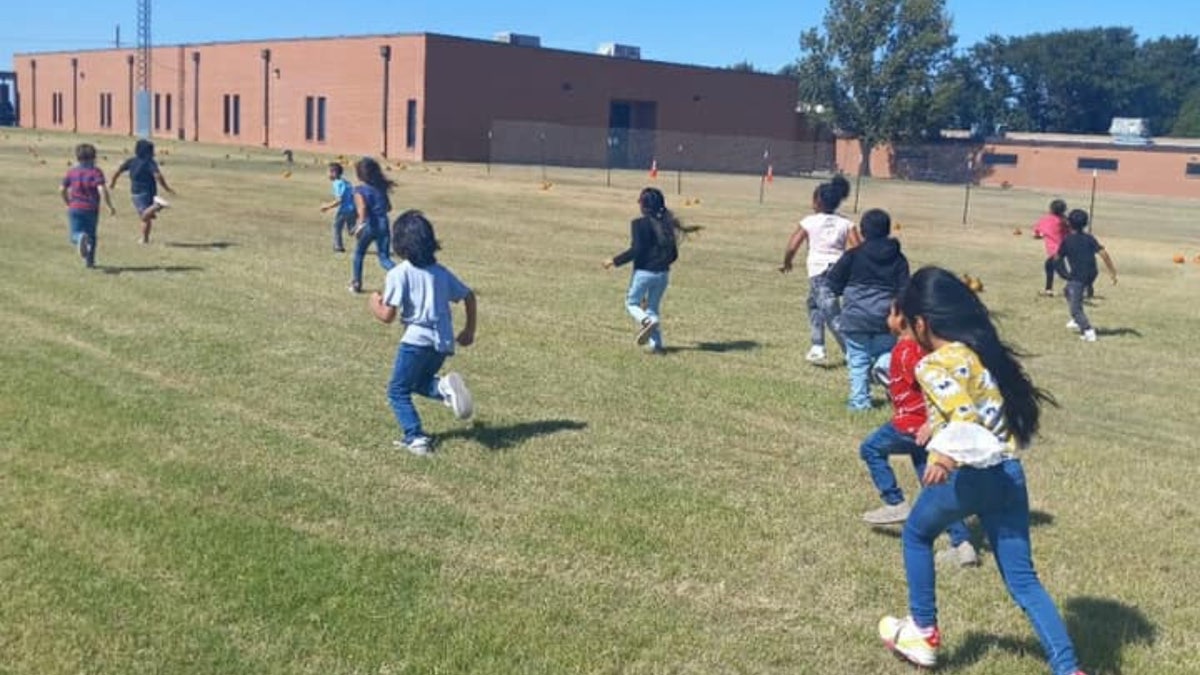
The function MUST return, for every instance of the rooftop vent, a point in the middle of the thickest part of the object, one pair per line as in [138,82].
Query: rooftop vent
[1130,131]
[519,39]
[619,51]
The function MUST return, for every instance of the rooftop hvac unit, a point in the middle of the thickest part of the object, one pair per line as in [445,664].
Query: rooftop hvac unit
[519,39]
[1130,131]
[619,51]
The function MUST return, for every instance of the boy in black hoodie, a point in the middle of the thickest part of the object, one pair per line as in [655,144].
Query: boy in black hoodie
[868,277]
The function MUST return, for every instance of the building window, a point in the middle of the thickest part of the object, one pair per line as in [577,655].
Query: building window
[314,118]
[233,113]
[1193,170]
[167,120]
[999,159]
[106,115]
[56,108]
[1096,164]
[410,127]
[157,112]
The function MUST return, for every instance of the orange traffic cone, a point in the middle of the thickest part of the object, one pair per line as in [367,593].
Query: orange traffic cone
[654,168]
[770,173]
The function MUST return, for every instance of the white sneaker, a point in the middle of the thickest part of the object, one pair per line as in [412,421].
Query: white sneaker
[816,354]
[888,514]
[421,446]
[963,555]
[906,639]
[456,396]
[161,203]
[1089,335]
[1071,325]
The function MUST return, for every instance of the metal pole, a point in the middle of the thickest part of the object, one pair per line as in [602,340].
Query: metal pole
[195,96]
[385,52]
[129,60]
[489,153]
[542,152]
[857,187]
[679,172]
[266,57]
[608,145]
[74,95]
[967,198]
[1092,206]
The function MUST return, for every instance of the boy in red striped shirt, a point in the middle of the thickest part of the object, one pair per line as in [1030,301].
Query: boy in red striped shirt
[81,190]
[900,437]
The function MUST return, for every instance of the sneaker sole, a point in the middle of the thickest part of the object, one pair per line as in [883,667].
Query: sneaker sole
[461,402]
[643,335]
[895,651]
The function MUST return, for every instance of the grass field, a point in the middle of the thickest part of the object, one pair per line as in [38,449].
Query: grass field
[196,471]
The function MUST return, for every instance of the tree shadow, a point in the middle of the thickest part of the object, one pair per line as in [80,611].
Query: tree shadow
[1100,629]
[717,347]
[214,245]
[1118,332]
[169,269]
[503,438]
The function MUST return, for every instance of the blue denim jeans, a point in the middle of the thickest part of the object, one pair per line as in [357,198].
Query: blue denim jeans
[378,234]
[1074,292]
[84,222]
[862,351]
[342,221]
[998,496]
[415,372]
[650,286]
[823,310]
[885,441]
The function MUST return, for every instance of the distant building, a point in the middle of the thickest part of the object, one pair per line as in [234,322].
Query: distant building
[408,97]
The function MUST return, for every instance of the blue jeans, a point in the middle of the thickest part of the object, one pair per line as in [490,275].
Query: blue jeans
[84,222]
[1074,292]
[415,372]
[862,351]
[998,496]
[823,310]
[378,234]
[650,286]
[342,221]
[885,441]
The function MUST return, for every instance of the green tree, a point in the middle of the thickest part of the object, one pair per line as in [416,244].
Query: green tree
[743,67]
[1167,71]
[872,62]
[1187,122]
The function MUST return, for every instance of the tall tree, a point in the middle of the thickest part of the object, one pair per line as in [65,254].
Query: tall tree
[1167,71]
[872,62]
[1187,123]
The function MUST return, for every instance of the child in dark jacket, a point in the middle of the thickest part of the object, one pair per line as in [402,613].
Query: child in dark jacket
[868,278]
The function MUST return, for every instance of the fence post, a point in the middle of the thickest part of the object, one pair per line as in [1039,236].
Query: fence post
[967,197]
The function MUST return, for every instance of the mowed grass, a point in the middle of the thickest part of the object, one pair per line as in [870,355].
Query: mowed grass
[196,471]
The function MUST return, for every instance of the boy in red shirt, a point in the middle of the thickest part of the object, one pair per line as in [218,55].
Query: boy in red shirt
[81,190]
[899,437]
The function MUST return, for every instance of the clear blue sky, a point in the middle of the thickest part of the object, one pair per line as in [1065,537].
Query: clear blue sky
[706,33]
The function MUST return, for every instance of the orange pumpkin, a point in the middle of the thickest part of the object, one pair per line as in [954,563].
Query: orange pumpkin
[1178,259]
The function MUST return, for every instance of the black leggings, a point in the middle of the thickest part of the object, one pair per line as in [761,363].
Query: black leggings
[1049,274]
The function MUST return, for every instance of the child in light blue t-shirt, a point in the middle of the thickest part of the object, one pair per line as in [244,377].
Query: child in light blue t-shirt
[343,201]
[419,291]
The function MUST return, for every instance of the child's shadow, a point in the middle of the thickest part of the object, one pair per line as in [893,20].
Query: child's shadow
[1100,630]
[214,245]
[1117,332]
[718,347]
[169,269]
[503,438]
[1036,519]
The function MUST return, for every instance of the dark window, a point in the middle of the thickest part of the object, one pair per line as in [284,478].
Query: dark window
[999,159]
[410,128]
[321,119]
[237,115]
[1096,164]
[56,108]
[103,112]
[308,118]
[226,126]
[167,121]
[1193,170]
[158,111]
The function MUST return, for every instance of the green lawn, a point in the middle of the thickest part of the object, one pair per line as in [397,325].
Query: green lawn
[196,470]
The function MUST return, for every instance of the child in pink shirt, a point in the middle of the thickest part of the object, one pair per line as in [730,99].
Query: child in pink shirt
[1052,229]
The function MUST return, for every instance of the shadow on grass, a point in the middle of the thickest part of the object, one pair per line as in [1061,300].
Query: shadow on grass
[1100,630]
[1118,332]
[169,269]
[505,437]
[1036,519]
[717,347]
[214,245]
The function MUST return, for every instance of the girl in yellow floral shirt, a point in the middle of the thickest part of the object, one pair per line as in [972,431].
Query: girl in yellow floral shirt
[982,407]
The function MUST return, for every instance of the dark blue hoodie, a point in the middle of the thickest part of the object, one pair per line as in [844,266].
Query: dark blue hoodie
[868,277]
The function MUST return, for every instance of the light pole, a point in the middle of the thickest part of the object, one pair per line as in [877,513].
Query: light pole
[195,96]
[385,53]
[266,58]
[74,95]
[129,62]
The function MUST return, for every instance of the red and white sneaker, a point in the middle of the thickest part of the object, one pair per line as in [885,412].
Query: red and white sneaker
[916,645]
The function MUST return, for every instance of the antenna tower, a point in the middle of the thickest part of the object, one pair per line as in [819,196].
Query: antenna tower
[143,68]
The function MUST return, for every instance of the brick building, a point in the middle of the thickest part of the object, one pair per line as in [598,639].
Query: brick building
[409,97]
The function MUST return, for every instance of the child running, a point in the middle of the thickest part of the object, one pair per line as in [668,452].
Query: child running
[654,247]
[81,190]
[867,278]
[144,180]
[419,290]
[371,204]
[1076,262]
[982,407]
[828,235]
[343,201]
[899,437]
[1052,229]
